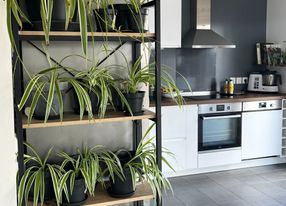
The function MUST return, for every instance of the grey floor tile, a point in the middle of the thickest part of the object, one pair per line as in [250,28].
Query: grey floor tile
[241,172]
[172,201]
[235,203]
[218,194]
[259,186]
[245,191]
[262,201]
[281,199]
[227,181]
[275,176]
[280,183]
[270,189]
[195,198]
[251,179]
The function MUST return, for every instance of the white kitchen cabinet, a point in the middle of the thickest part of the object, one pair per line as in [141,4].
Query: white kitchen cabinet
[171,23]
[180,136]
[261,134]
[219,158]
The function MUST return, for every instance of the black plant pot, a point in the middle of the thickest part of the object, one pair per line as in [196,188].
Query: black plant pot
[49,190]
[122,21]
[94,102]
[135,102]
[40,109]
[58,16]
[78,196]
[123,188]
[138,21]
[104,19]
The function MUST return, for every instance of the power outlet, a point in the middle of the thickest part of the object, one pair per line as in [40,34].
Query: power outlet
[245,80]
[233,79]
[239,80]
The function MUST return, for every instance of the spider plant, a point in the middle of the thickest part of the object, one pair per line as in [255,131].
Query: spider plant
[137,75]
[51,78]
[88,166]
[101,82]
[143,165]
[34,178]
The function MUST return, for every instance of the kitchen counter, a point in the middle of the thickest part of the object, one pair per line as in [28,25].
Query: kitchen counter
[225,99]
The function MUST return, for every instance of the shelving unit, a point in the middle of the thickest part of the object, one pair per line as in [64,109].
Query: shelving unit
[283,141]
[143,191]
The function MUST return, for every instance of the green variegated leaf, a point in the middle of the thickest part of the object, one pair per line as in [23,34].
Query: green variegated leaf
[50,95]
[60,99]
[22,185]
[83,25]
[35,100]
[28,90]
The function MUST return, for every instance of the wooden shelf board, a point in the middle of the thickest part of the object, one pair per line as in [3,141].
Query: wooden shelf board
[71,34]
[102,198]
[71,119]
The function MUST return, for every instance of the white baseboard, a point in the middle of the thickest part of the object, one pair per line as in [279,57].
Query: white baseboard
[243,164]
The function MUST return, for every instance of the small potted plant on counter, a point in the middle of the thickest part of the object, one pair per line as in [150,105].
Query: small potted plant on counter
[140,166]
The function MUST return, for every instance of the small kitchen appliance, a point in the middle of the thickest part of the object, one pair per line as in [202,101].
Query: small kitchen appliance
[266,81]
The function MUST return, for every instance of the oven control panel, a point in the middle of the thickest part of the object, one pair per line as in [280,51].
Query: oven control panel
[220,108]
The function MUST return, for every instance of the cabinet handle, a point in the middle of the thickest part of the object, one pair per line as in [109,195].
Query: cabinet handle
[222,117]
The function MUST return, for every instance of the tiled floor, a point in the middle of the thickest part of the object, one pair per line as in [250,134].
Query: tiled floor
[257,186]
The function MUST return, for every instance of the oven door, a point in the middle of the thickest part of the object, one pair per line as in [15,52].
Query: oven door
[218,131]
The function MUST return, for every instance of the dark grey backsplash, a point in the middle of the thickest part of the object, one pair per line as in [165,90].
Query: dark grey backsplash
[198,67]
[243,22]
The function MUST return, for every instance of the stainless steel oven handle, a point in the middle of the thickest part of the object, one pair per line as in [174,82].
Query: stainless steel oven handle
[222,117]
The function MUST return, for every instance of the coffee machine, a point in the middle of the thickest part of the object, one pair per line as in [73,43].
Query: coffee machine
[266,81]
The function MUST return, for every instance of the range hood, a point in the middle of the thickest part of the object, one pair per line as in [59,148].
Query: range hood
[200,35]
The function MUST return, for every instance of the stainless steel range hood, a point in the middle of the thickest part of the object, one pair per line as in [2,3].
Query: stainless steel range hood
[200,35]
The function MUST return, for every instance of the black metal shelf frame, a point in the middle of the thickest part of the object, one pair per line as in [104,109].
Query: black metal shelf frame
[137,124]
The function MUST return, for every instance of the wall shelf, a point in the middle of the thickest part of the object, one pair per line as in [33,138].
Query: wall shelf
[75,36]
[102,198]
[72,119]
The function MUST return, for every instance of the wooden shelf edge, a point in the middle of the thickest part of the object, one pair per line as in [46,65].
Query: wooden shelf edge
[95,34]
[102,198]
[71,119]
[143,192]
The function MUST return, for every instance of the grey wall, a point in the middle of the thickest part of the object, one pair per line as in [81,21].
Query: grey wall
[244,23]
[241,21]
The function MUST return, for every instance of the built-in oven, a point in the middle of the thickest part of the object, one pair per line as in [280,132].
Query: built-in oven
[219,126]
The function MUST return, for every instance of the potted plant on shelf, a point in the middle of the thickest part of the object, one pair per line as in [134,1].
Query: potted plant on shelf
[85,171]
[44,88]
[37,182]
[100,84]
[146,75]
[138,16]
[141,166]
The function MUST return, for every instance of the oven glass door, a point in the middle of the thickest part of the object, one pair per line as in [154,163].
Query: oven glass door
[219,131]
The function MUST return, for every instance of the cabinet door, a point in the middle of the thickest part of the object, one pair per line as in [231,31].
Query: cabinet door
[261,134]
[179,148]
[171,23]
[180,136]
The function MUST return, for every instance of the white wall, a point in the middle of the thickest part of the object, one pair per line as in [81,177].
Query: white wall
[8,141]
[276,30]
